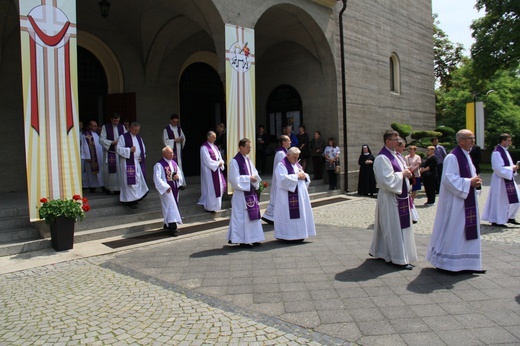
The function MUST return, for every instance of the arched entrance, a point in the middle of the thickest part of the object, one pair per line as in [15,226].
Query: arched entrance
[284,107]
[202,106]
[92,87]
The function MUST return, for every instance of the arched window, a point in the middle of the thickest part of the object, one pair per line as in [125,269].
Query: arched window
[395,77]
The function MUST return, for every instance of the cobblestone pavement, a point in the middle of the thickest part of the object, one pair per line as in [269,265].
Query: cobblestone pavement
[197,290]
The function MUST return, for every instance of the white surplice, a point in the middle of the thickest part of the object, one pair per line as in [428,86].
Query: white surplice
[131,193]
[497,208]
[241,229]
[178,145]
[390,242]
[285,227]
[91,179]
[110,180]
[269,211]
[449,249]
[208,197]
[169,206]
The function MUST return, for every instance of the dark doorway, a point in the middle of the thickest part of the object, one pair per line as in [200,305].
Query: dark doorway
[92,87]
[202,107]
[284,107]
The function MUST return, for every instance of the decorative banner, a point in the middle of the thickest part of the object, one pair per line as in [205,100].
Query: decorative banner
[240,89]
[50,94]
[477,116]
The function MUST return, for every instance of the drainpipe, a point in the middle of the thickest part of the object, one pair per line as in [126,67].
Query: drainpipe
[343,91]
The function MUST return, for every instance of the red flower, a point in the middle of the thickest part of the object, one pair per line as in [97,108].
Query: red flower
[44,200]
[265,183]
[85,207]
[85,200]
[76,197]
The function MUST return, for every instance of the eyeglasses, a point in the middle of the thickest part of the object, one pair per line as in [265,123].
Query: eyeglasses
[472,138]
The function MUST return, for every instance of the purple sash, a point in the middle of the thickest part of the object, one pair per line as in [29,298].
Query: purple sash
[174,184]
[470,206]
[280,149]
[403,205]
[252,204]
[94,163]
[171,135]
[294,203]
[130,162]
[510,183]
[111,157]
[217,176]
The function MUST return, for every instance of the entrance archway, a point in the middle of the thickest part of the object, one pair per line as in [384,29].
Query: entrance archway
[92,87]
[202,106]
[284,107]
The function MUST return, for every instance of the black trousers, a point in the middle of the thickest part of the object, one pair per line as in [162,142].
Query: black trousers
[430,182]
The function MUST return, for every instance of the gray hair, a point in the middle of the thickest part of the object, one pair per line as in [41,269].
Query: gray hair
[210,133]
[293,151]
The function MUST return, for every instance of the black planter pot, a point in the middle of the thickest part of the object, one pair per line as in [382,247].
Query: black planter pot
[62,233]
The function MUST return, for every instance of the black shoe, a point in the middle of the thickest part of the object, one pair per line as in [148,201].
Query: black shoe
[246,245]
[257,243]
[483,271]
[165,226]
[267,221]
[210,211]
[414,222]
[498,225]
[172,226]
[513,221]
[408,267]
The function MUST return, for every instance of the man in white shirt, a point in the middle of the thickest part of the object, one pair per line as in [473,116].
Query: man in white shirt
[212,181]
[174,137]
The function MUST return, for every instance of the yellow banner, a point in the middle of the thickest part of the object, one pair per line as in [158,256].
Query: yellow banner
[240,88]
[50,96]
[470,116]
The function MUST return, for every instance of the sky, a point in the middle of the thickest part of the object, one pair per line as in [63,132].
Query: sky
[455,17]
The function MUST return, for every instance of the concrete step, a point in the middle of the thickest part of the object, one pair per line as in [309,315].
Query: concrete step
[108,218]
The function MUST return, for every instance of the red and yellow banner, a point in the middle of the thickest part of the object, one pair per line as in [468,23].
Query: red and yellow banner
[50,95]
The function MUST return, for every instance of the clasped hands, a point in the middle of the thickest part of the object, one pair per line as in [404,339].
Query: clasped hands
[476,181]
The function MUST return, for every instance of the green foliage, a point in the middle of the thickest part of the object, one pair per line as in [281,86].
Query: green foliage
[497,37]
[403,129]
[447,55]
[74,208]
[447,132]
[426,134]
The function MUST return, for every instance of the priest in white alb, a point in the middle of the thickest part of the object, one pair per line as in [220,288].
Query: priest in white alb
[174,137]
[132,169]
[212,180]
[167,177]
[281,152]
[455,241]
[109,138]
[393,238]
[293,219]
[502,202]
[92,154]
[245,227]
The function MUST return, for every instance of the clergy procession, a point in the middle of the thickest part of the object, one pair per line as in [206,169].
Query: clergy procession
[115,160]
[455,244]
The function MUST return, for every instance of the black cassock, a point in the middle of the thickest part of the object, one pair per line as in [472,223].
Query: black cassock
[367,180]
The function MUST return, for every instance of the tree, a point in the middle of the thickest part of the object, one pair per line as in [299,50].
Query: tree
[447,55]
[419,138]
[497,37]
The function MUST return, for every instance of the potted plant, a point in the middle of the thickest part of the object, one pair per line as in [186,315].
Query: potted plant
[61,215]
[263,185]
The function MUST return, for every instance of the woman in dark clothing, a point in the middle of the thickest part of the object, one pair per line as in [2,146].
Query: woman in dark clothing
[317,146]
[303,144]
[367,180]
[429,175]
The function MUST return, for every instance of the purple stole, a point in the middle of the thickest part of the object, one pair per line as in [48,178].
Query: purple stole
[174,184]
[130,162]
[510,184]
[280,149]
[470,206]
[111,157]
[217,176]
[294,203]
[252,204]
[94,162]
[171,135]
[402,200]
